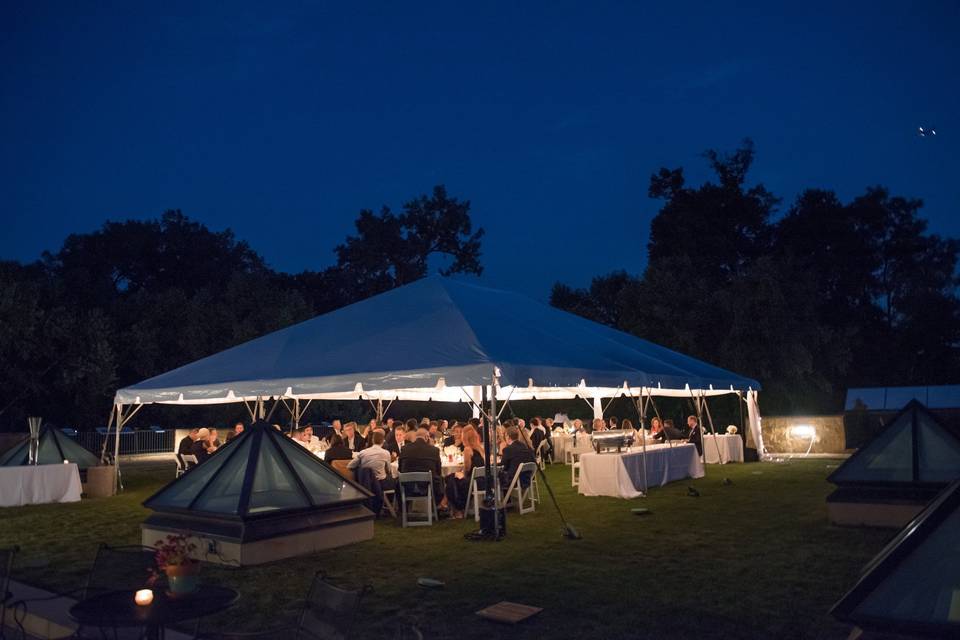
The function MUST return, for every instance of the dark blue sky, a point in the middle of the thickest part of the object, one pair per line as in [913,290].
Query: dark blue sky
[283,122]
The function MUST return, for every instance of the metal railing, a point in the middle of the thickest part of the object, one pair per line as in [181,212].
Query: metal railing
[131,442]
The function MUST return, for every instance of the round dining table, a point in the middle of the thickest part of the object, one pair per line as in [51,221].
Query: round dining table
[112,610]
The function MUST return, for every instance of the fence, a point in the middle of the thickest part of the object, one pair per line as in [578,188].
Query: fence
[131,442]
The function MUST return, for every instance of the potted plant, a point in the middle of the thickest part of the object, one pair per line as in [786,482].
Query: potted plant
[173,561]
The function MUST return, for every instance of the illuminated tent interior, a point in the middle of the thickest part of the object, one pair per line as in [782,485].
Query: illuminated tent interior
[912,586]
[261,497]
[888,480]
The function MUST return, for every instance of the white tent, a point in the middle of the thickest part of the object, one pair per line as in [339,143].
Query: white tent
[444,340]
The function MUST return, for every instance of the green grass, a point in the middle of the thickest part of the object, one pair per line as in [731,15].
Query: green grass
[754,559]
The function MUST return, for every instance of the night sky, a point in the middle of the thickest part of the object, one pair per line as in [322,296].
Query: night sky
[283,120]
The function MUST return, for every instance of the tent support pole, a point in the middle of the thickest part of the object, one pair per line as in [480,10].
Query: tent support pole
[641,418]
[716,444]
[696,405]
[489,447]
[272,409]
[106,438]
[121,422]
[253,417]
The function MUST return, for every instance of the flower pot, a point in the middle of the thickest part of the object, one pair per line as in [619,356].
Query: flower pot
[182,578]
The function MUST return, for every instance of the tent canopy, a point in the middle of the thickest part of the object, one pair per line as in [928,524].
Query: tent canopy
[896,398]
[438,339]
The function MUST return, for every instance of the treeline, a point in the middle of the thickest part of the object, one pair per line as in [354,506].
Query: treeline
[137,298]
[810,301]
[826,296]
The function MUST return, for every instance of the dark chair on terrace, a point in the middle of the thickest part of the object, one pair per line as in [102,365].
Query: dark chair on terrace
[6,564]
[329,612]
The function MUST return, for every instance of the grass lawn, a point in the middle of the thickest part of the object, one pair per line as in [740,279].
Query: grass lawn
[753,559]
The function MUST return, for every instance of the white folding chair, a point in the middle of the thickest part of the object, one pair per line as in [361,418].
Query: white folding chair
[389,495]
[541,453]
[181,467]
[426,500]
[477,493]
[189,460]
[584,445]
[525,497]
[475,473]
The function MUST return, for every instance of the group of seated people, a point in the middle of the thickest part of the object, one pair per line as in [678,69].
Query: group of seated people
[415,447]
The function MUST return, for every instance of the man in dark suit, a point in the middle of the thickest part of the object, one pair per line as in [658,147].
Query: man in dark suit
[186,445]
[514,454]
[396,440]
[694,436]
[420,455]
[669,432]
[351,438]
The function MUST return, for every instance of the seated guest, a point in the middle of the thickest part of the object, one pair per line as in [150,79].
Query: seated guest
[458,484]
[655,426]
[444,427]
[613,422]
[376,459]
[214,440]
[599,425]
[515,454]
[538,433]
[578,426]
[351,438]
[186,445]
[337,427]
[337,450]
[434,430]
[387,425]
[397,439]
[420,455]
[669,432]
[627,425]
[694,435]
[237,430]
[200,445]
[455,437]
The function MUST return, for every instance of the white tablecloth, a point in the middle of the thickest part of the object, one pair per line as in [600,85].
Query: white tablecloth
[730,448]
[620,475]
[39,485]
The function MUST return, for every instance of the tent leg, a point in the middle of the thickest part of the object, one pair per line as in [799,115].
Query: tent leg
[716,444]
[641,418]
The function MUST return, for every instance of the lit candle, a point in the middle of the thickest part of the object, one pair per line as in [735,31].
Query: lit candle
[143,597]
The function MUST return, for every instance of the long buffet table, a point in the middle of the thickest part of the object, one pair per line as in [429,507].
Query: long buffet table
[620,475]
[40,484]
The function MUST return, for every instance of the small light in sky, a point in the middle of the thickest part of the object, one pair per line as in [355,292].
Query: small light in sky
[926,133]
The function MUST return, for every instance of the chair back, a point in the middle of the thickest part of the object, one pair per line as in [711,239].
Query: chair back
[340,466]
[542,450]
[119,568]
[415,483]
[525,473]
[189,460]
[6,566]
[329,611]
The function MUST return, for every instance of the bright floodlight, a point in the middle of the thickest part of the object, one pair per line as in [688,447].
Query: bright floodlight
[802,431]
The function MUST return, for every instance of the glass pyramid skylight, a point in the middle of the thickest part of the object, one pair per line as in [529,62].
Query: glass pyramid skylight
[913,585]
[914,449]
[259,472]
[54,447]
